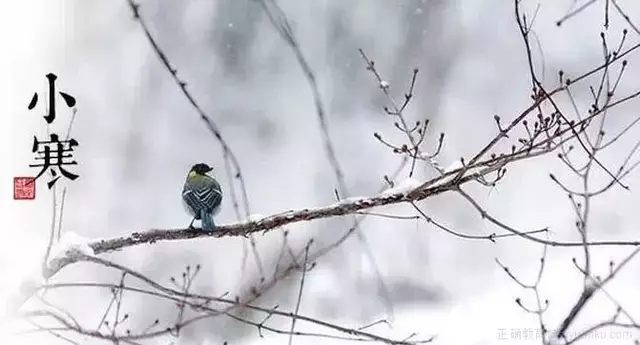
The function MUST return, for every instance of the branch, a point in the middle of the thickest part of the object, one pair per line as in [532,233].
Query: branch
[297,310]
[213,128]
[201,302]
[230,158]
[341,208]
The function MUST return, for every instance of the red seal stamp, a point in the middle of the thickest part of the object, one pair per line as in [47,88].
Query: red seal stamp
[24,188]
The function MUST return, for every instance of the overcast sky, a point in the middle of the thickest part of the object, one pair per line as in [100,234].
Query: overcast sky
[138,136]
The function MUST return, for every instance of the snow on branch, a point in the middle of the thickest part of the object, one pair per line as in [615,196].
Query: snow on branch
[73,248]
[70,247]
[403,187]
[345,207]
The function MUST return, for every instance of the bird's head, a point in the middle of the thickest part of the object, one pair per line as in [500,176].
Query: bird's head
[200,169]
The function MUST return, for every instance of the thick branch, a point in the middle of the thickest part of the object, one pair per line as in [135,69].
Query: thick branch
[273,222]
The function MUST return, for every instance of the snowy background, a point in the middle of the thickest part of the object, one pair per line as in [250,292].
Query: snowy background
[138,137]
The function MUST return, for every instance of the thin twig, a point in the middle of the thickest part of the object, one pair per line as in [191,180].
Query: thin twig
[299,299]
[229,155]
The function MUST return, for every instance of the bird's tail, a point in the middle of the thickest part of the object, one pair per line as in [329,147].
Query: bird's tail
[207,221]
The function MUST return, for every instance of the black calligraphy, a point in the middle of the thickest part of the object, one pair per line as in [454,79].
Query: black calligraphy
[54,153]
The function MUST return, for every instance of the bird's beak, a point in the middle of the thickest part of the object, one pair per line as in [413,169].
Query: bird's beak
[210,169]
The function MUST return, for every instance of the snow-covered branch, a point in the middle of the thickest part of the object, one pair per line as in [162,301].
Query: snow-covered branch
[342,208]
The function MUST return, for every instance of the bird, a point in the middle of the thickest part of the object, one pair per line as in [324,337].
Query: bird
[202,196]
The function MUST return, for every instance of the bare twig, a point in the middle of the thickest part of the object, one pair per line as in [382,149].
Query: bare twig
[229,155]
[299,299]
[195,301]
[280,22]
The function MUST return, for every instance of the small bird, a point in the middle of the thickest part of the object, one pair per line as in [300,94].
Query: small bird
[202,196]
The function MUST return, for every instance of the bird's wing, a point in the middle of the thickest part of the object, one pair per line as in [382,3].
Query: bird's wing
[211,197]
[203,193]
[192,201]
